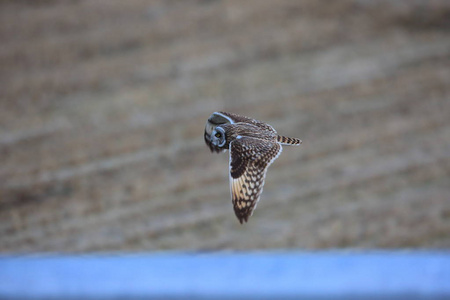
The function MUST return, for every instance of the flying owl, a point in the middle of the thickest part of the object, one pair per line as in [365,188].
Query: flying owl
[253,146]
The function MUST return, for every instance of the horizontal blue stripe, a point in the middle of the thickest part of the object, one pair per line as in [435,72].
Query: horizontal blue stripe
[424,275]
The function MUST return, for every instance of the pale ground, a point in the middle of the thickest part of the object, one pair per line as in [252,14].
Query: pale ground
[103,105]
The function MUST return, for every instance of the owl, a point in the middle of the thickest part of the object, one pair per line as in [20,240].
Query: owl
[253,146]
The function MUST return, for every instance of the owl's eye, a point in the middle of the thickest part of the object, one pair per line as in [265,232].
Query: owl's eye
[218,135]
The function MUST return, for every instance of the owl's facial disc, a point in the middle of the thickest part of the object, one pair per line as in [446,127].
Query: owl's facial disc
[218,137]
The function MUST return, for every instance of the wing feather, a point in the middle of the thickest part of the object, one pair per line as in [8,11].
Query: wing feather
[243,119]
[249,160]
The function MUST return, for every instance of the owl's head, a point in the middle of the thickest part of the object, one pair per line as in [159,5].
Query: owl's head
[215,137]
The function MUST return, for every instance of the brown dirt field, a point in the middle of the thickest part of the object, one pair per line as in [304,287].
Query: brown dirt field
[103,105]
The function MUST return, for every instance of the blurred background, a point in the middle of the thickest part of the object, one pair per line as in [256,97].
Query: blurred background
[103,106]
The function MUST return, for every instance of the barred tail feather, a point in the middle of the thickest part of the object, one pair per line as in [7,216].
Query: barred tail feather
[288,140]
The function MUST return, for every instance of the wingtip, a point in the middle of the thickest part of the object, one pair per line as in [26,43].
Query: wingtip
[242,219]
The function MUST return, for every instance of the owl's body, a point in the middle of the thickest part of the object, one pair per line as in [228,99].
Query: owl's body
[253,146]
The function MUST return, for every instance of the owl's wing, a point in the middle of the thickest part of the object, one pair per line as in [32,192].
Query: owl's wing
[249,160]
[233,118]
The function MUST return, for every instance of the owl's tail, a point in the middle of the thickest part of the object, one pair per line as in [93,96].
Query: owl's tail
[288,140]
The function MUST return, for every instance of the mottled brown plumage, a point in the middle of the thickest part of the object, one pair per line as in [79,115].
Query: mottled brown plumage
[253,146]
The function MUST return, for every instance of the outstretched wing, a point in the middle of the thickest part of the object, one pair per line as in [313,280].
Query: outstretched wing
[249,160]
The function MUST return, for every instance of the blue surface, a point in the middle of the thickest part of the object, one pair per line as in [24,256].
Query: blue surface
[409,275]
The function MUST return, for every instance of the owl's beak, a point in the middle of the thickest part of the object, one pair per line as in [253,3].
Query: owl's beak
[209,143]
